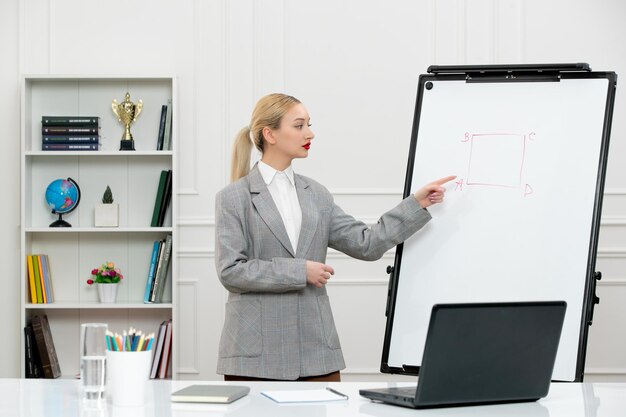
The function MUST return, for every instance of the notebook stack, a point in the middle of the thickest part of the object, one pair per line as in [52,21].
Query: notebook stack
[70,133]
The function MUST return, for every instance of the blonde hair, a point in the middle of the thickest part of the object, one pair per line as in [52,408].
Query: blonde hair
[268,112]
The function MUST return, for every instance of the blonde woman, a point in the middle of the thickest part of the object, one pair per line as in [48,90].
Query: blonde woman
[273,229]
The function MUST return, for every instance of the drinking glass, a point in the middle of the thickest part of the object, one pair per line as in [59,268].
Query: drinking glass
[93,358]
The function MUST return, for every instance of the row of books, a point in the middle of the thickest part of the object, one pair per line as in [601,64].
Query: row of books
[157,273]
[164,140]
[41,360]
[70,133]
[39,279]
[163,198]
[65,133]
[161,360]
[41,357]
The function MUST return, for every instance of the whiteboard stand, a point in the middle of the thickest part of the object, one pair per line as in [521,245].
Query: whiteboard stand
[529,145]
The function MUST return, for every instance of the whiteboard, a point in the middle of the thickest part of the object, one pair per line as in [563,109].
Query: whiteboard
[518,224]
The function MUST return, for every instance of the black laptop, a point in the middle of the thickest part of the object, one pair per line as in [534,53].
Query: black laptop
[483,353]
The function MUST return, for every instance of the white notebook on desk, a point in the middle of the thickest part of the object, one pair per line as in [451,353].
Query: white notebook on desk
[305,396]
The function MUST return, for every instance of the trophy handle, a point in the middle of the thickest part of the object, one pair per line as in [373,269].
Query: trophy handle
[138,108]
[114,106]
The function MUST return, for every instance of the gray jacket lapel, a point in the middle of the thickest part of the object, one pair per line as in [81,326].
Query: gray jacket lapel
[264,204]
[310,216]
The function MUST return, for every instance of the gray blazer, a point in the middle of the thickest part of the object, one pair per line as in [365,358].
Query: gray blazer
[277,326]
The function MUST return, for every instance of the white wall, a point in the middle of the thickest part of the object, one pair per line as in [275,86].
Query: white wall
[354,64]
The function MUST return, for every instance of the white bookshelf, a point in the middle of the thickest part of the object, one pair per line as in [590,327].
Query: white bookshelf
[133,177]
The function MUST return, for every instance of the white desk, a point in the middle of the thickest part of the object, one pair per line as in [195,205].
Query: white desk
[38,397]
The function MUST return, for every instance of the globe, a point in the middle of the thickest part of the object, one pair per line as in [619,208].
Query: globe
[62,197]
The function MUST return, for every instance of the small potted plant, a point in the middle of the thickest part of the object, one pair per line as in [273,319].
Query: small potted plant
[106,277]
[107,213]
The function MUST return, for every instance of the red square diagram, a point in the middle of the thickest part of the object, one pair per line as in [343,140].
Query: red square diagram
[496,159]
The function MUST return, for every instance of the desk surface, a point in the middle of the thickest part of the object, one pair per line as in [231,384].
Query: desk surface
[37,397]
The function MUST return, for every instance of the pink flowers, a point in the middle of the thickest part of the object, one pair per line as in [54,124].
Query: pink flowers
[107,273]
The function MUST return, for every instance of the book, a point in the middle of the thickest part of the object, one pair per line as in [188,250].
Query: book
[32,363]
[153,264]
[158,270]
[158,349]
[166,355]
[45,347]
[158,199]
[65,139]
[167,197]
[167,140]
[38,288]
[69,147]
[29,364]
[44,294]
[162,121]
[159,285]
[45,263]
[71,130]
[222,394]
[31,279]
[70,121]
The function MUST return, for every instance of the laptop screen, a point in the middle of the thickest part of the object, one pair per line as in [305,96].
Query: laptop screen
[489,352]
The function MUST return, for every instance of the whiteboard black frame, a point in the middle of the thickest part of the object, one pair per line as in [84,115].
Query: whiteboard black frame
[507,74]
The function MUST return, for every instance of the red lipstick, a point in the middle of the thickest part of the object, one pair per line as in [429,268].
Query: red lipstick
[307,146]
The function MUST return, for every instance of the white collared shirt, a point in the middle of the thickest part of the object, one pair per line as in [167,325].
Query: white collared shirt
[282,187]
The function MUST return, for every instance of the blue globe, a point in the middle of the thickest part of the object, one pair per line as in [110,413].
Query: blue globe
[62,195]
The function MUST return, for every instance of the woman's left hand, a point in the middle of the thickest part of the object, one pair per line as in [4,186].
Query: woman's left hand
[432,193]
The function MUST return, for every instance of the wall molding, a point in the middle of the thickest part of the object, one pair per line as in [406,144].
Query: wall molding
[611,253]
[613,221]
[361,371]
[188,371]
[194,221]
[196,253]
[603,253]
[616,282]
[358,282]
[605,371]
[366,191]
[614,191]
[188,281]
[190,324]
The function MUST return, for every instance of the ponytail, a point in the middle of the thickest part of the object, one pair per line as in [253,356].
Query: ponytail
[268,112]
[240,164]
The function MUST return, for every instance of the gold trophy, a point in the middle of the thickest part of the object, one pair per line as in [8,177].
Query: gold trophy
[127,112]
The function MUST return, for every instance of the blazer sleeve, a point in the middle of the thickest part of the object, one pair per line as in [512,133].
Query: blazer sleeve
[237,272]
[356,239]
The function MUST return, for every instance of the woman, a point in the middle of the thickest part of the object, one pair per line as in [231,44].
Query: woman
[273,229]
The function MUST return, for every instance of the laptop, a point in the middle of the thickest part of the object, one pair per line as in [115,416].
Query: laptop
[483,353]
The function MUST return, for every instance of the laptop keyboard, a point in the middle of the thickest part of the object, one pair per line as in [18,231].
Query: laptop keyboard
[402,391]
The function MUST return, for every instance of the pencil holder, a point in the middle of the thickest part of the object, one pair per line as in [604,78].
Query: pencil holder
[127,374]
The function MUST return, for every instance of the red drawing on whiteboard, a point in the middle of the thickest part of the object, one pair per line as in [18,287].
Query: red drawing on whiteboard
[459,185]
[497,160]
[528,190]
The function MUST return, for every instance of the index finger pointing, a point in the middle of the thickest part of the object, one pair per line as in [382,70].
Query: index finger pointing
[444,180]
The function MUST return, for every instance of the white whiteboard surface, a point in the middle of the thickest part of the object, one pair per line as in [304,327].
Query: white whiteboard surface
[516,224]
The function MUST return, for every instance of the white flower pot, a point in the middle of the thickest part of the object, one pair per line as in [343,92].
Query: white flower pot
[107,293]
[107,215]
